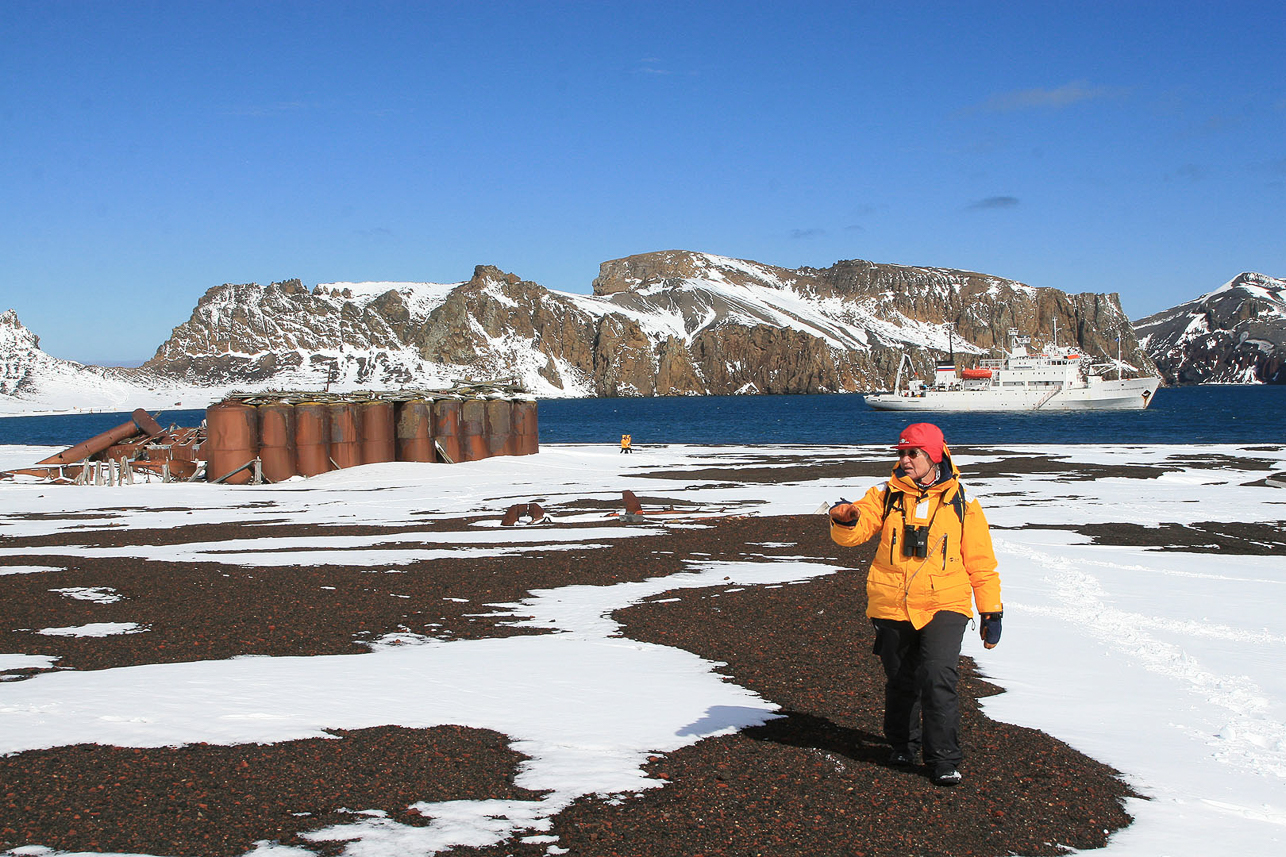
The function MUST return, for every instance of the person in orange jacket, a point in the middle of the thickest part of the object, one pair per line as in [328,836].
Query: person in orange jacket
[934,563]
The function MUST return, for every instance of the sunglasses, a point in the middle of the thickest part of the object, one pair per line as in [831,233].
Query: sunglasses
[911,453]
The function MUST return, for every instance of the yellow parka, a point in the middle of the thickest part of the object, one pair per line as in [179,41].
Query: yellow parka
[960,561]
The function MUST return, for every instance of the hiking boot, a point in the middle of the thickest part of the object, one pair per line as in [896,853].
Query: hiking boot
[901,758]
[946,775]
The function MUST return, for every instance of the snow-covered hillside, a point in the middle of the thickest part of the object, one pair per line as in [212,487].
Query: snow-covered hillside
[1235,334]
[31,381]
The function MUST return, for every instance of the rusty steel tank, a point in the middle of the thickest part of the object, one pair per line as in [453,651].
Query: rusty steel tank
[345,434]
[415,431]
[378,431]
[499,427]
[473,430]
[525,428]
[277,448]
[446,428]
[312,438]
[232,431]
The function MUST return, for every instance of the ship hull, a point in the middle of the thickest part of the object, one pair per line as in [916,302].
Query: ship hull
[1133,394]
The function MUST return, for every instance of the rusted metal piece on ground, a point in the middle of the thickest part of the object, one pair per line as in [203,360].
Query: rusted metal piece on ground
[415,431]
[277,441]
[233,430]
[378,430]
[252,470]
[57,473]
[141,422]
[534,513]
[632,504]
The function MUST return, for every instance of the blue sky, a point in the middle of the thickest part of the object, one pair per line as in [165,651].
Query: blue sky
[149,151]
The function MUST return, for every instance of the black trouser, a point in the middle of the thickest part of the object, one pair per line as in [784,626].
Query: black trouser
[922,668]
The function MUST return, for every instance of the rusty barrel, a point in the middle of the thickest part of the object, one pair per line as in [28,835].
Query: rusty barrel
[312,438]
[379,442]
[415,431]
[277,441]
[232,432]
[446,428]
[473,430]
[345,434]
[499,427]
[525,428]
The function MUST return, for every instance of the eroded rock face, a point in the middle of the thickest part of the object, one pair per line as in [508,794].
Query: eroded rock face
[1233,335]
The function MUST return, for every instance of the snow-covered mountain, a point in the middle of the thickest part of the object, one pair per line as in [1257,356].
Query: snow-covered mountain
[1233,335]
[668,323]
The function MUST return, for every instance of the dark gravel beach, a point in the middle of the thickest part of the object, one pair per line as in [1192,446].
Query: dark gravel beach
[812,782]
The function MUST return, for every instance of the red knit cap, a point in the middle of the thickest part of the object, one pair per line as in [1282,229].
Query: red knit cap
[924,436]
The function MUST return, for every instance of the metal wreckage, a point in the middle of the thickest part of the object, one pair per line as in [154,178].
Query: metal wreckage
[268,437]
[272,436]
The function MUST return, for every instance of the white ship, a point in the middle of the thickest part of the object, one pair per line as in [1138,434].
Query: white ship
[1056,379]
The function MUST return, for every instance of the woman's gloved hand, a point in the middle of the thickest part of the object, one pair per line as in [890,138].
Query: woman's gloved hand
[844,513]
[990,631]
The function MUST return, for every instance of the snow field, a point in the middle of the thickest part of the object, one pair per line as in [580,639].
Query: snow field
[1164,664]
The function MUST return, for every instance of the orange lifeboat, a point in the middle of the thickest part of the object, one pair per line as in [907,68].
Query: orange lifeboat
[975,373]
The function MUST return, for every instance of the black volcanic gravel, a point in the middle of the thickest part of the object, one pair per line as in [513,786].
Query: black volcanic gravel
[812,782]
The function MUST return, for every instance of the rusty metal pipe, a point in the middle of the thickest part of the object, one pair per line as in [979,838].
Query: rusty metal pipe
[142,422]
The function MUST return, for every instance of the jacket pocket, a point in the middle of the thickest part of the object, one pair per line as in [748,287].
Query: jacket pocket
[950,589]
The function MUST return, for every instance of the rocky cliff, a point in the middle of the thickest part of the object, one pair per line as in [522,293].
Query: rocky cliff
[1233,335]
[749,327]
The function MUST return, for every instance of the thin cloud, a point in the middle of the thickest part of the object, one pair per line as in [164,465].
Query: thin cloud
[1039,99]
[650,65]
[993,202]
[807,233]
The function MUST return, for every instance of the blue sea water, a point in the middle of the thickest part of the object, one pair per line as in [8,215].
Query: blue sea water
[1215,414]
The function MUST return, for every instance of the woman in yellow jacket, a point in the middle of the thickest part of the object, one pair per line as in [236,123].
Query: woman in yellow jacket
[934,562]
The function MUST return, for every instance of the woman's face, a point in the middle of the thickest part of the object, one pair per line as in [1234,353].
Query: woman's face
[915,463]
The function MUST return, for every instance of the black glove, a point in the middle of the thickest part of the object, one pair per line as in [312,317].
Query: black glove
[991,628]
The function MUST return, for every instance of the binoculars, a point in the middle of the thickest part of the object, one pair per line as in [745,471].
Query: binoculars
[915,542]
